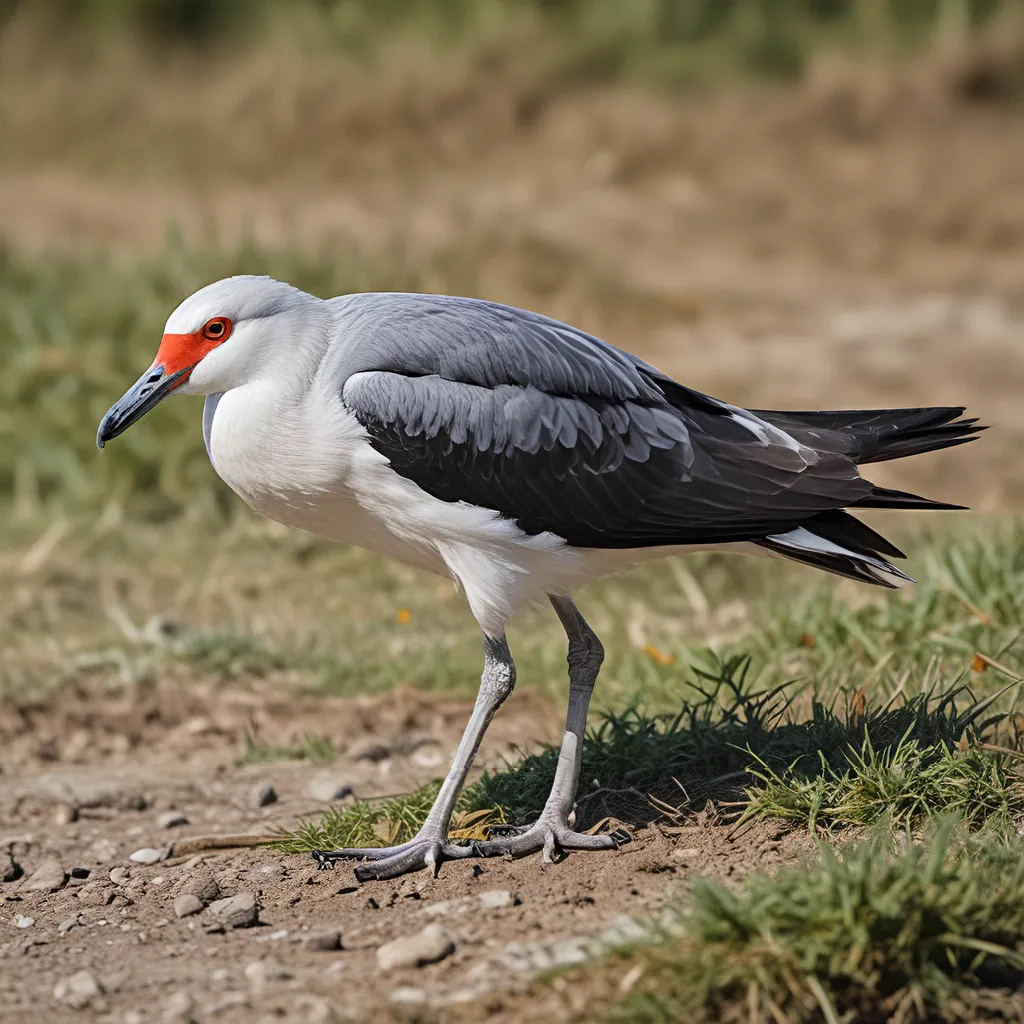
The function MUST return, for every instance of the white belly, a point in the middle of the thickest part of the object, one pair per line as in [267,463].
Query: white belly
[298,470]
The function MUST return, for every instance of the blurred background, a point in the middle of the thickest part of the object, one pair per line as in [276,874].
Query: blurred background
[785,203]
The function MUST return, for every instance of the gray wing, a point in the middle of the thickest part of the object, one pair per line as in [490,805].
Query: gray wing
[561,432]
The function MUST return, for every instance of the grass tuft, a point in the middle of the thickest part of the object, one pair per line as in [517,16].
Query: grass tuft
[851,766]
[388,821]
[871,932]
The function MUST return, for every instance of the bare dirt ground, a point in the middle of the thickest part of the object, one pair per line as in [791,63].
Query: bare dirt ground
[88,781]
[856,241]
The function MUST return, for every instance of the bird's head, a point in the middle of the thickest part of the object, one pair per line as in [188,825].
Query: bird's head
[219,338]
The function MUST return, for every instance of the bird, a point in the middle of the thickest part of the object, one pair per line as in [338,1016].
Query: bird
[521,457]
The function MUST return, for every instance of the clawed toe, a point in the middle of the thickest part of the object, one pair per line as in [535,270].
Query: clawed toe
[392,861]
[554,840]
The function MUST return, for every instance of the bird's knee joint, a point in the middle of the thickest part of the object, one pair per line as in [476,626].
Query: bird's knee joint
[499,680]
[586,655]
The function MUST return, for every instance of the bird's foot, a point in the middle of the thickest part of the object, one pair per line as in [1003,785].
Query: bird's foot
[553,838]
[427,850]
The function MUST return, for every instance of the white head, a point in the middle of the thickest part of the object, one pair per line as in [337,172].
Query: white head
[223,336]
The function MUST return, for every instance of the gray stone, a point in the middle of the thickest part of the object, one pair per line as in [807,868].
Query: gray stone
[202,885]
[262,794]
[172,819]
[425,947]
[328,787]
[147,855]
[186,905]
[68,923]
[21,921]
[493,899]
[238,911]
[48,876]
[78,990]
[322,941]
[120,876]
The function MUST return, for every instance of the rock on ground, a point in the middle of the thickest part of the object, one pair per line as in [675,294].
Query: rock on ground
[425,947]
[187,904]
[262,795]
[78,990]
[49,876]
[203,886]
[239,911]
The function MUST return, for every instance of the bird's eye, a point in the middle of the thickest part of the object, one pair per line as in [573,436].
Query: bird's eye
[217,329]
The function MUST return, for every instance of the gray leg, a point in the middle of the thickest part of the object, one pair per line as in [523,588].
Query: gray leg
[551,832]
[430,846]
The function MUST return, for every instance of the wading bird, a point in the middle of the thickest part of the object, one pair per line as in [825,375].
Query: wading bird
[523,458]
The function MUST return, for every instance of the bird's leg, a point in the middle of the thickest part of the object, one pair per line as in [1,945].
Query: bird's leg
[430,846]
[551,832]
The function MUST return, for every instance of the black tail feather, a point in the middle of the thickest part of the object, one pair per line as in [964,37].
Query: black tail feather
[885,497]
[878,435]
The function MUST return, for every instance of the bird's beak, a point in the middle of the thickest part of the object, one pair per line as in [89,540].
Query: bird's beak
[146,393]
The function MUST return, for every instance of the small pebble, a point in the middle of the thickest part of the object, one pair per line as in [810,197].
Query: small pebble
[187,904]
[262,795]
[272,871]
[369,748]
[78,990]
[495,898]
[238,911]
[120,876]
[68,923]
[172,819]
[21,921]
[65,814]
[322,941]
[425,947]
[147,855]
[328,787]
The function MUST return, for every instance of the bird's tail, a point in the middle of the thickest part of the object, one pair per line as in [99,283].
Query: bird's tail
[836,541]
[878,435]
[840,544]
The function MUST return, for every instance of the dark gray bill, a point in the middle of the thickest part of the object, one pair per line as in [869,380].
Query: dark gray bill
[148,391]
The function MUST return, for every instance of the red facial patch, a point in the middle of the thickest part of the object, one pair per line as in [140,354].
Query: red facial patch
[182,351]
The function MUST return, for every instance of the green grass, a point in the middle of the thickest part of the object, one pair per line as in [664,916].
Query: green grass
[318,749]
[751,752]
[902,931]
[670,40]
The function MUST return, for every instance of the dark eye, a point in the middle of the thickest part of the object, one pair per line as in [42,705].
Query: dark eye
[217,329]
